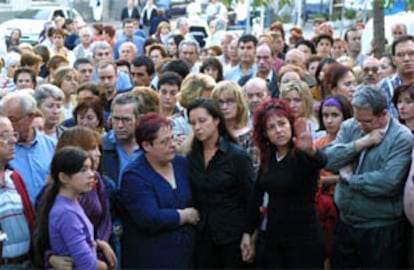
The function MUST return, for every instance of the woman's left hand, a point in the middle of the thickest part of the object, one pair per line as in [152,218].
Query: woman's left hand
[303,137]
[108,253]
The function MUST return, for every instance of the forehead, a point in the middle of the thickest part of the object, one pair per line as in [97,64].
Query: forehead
[189,47]
[142,68]
[169,86]
[123,109]
[256,88]
[246,44]
[102,50]
[354,33]
[363,113]
[5,124]
[370,63]
[108,70]
[263,50]
[85,65]
[409,44]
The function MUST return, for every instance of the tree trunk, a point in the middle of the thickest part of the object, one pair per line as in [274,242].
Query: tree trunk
[378,28]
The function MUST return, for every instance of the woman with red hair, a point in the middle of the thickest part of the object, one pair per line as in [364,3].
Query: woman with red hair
[289,173]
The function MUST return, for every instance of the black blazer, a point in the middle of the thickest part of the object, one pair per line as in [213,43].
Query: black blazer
[134,14]
[220,191]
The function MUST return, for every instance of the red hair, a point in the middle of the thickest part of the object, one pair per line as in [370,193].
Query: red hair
[263,112]
[148,125]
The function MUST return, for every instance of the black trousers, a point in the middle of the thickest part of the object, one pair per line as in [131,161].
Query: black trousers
[372,248]
[209,255]
[289,253]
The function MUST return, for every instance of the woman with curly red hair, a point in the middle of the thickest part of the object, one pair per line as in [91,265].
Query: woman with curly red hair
[289,173]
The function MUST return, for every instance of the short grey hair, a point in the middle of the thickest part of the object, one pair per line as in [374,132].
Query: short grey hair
[100,45]
[370,96]
[128,44]
[181,21]
[189,42]
[125,99]
[26,100]
[45,91]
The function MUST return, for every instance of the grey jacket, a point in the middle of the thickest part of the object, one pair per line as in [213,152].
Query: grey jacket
[374,195]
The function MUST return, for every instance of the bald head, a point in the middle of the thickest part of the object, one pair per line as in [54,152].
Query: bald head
[295,57]
[256,91]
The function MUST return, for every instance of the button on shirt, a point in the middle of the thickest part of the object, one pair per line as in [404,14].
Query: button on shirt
[33,162]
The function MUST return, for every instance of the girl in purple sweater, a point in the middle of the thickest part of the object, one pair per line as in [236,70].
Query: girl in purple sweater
[63,225]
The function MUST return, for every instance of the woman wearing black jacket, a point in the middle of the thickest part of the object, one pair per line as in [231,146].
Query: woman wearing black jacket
[221,175]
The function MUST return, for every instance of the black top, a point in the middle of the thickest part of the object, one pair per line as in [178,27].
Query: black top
[221,190]
[134,14]
[291,184]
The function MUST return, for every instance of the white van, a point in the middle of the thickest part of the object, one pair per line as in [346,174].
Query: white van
[404,17]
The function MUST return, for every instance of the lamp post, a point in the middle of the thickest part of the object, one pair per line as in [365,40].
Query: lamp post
[71,9]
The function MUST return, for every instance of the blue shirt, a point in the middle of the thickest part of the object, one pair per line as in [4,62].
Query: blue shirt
[236,73]
[388,85]
[123,84]
[33,162]
[137,40]
[124,158]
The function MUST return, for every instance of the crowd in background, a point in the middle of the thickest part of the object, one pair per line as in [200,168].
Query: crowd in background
[159,149]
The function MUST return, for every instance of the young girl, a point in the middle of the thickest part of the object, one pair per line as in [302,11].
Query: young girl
[63,225]
[333,111]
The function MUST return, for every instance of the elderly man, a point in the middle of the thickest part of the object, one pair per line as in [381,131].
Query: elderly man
[34,150]
[83,49]
[370,74]
[256,91]
[297,58]
[188,51]
[16,212]
[372,153]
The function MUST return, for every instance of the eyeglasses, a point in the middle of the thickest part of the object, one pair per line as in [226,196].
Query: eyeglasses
[124,120]
[8,135]
[403,54]
[167,141]
[102,54]
[368,69]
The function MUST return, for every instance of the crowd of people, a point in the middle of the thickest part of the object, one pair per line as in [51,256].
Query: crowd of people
[154,150]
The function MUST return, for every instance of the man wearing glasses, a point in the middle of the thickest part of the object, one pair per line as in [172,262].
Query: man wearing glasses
[372,153]
[403,56]
[34,150]
[16,212]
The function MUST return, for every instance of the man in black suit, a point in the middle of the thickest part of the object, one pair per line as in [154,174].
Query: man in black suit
[130,11]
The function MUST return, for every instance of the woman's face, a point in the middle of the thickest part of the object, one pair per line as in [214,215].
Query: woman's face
[12,69]
[88,119]
[228,105]
[278,130]
[324,48]
[95,155]
[58,40]
[156,57]
[306,51]
[164,30]
[82,181]
[312,68]
[346,85]
[212,71]
[289,76]
[296,103]
[69,83]
[52,110]
[332,118]
[386,68]
[15,36]
[172,47]
[405,106]
[205,127]
[338,50]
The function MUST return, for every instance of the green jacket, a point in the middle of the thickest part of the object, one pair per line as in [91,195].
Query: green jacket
[374,195]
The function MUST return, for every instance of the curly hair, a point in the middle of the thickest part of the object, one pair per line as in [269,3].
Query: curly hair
[263,112]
